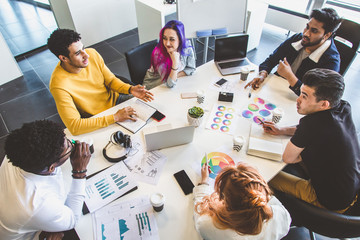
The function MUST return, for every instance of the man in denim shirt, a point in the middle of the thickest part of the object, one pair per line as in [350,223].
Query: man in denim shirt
[314,48]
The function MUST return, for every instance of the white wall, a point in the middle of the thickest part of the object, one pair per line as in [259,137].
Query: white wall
[285,20]
[9,69]
[96,20]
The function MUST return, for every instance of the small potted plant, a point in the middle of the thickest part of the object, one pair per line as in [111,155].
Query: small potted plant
[195,116]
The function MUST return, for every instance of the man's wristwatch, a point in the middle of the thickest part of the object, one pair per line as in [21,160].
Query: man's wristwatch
[130,89]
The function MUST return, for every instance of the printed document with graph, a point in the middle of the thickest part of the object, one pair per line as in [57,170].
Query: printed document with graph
[108,185]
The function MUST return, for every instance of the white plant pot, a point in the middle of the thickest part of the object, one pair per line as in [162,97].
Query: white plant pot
[195,121]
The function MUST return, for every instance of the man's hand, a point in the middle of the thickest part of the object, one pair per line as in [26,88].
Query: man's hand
[51,235]
[256,82]
[124,114]
[79,159]
[140,92]
[284,70]
[271,128]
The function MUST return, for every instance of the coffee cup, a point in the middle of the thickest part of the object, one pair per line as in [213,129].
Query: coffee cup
[89,141]
[278,113]
[244,73]
[200,96]
[238,143]
[157,200]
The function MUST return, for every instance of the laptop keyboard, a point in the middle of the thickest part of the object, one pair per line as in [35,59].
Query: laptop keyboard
[234,64]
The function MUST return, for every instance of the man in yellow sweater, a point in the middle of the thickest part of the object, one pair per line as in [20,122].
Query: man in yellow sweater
[83,86]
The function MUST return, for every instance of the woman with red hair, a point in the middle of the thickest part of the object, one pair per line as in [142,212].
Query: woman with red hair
[241,207]
[173,57]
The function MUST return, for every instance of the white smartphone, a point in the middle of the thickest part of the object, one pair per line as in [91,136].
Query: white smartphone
[220,82]
[188,95]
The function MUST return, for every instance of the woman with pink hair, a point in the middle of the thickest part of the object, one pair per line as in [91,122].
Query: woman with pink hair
[241,207]
[173,57]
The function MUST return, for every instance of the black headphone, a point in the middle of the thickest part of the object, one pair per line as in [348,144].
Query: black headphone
[118,138]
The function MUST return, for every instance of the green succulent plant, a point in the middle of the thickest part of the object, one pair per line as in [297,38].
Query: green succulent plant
[196,112]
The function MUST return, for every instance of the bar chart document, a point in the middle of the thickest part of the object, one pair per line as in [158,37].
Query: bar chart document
[107,186]
[131,220]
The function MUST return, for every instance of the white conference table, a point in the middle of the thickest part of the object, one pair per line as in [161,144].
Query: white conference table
[176,220]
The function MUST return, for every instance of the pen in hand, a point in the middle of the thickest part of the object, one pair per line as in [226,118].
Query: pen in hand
[263,123]
[208,163]
[250,91]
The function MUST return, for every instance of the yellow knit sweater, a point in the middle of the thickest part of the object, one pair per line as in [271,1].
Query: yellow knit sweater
[82,95]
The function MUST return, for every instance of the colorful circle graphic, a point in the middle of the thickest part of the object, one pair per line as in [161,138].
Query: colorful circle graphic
[224,129]
[231,110]
[253,107]
[226,122]
[259,100]
[247,114]
[229,116]
[270,106]
[256,119]
[221,108]
[217,120]
[214,126]
[264,112]
[217,161]
[219,114]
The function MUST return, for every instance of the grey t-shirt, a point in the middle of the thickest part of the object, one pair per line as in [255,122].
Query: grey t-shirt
[298,60]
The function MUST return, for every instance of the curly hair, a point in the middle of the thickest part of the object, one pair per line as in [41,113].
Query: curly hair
[35,145]
[60,40]
[240,200]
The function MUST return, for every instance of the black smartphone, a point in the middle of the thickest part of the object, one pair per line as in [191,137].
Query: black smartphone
[158,116]
[184,181]
[220,82]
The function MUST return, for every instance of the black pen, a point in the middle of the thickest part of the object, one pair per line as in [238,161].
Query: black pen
[263,123]
[250,92]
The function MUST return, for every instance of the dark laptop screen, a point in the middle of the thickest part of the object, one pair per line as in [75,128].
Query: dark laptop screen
[231,47]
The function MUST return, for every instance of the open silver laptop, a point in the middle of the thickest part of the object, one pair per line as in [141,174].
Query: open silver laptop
[230,53]
[167,135]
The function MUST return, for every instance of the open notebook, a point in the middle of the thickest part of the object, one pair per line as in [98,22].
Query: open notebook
[144,111]
[264,145]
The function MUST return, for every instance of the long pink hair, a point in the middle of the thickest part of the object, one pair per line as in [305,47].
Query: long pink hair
[240,201]
[160,56]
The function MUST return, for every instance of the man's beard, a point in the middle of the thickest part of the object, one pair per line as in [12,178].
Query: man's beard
[310,44]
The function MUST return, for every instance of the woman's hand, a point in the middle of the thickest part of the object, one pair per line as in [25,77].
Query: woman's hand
[204,173]
[175,58]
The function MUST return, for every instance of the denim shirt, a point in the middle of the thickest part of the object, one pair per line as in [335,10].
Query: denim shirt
[187,64]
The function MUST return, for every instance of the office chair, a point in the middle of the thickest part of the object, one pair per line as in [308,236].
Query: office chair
[347,40]
[124,79]
[318,220]
[139,60]
[315,219]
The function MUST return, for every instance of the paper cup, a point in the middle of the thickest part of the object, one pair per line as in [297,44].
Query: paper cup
[157,200]
[278,113]
[200,96]
[244,73]
[238,143]
[89,141]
